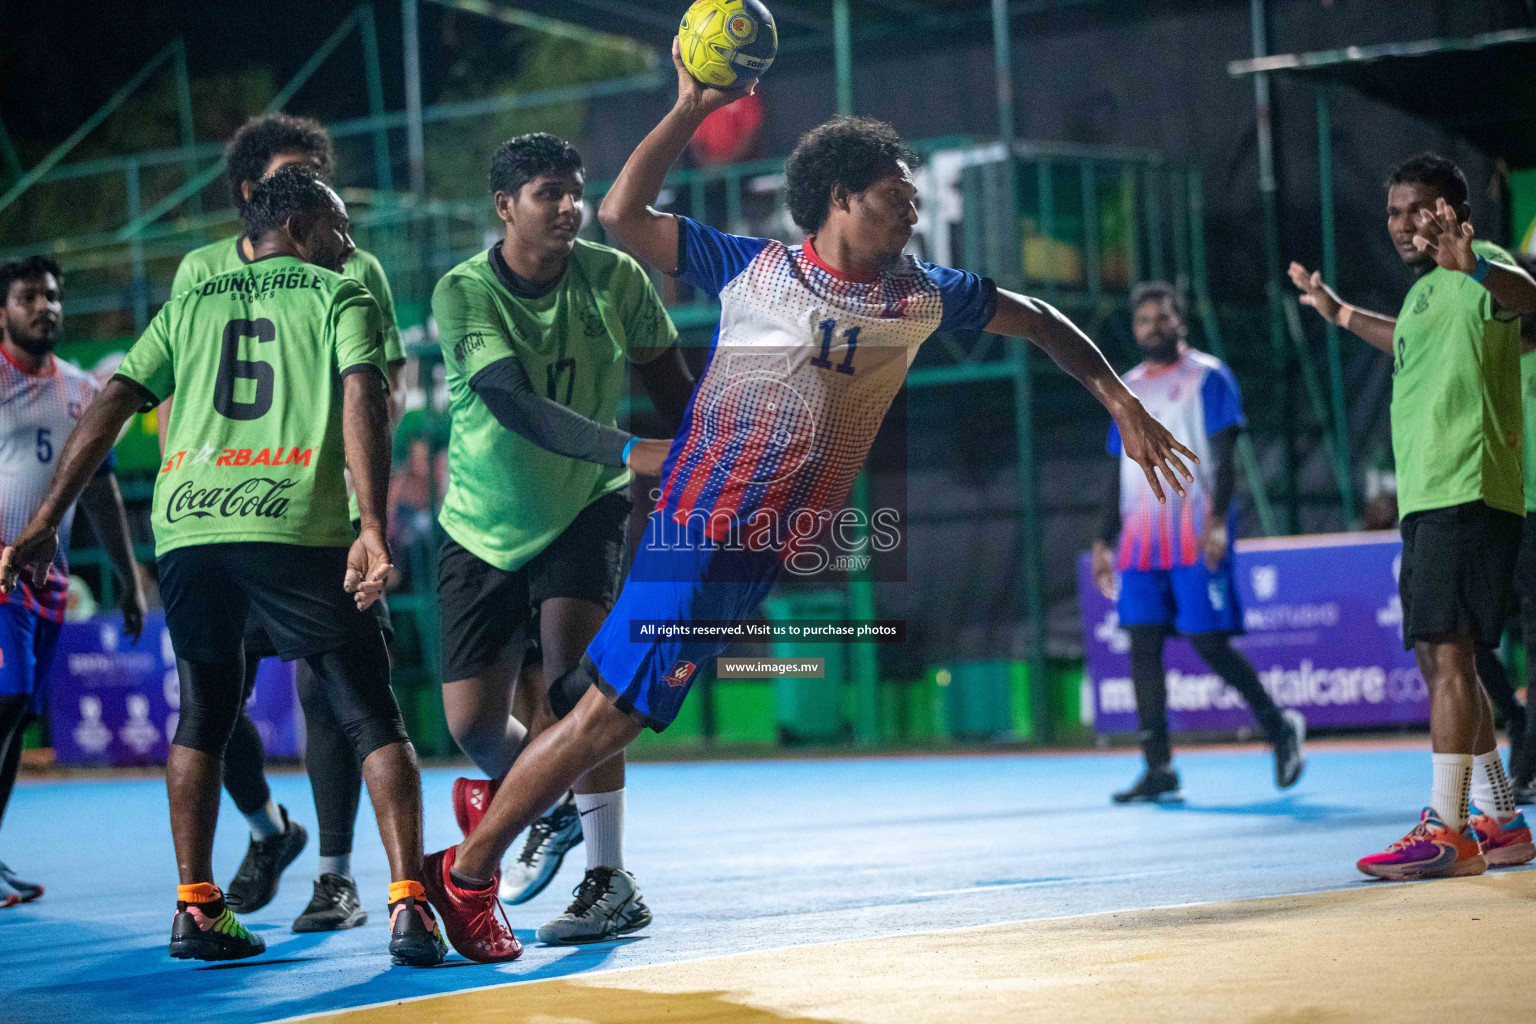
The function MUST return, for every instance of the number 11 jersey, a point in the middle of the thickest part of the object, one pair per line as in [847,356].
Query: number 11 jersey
[255,358]
[803,368]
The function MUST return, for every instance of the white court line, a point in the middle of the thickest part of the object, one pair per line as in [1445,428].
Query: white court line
[808,945]
[1041,882]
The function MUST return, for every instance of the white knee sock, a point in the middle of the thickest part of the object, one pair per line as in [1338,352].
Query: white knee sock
[1491,791]
[602,828]
[266,822]
[1449,791]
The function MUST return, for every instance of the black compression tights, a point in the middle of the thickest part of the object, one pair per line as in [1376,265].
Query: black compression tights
[334,775]
[1150,680]
[15,713]
[1495,680]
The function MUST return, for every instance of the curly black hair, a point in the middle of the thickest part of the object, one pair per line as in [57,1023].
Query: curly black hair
[852,152]
[1438,173]
[519,160]
[20,270]
[262,138]
[1156,291]
[293,191]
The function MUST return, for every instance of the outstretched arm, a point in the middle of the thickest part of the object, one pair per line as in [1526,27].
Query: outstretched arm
[32,550]
[1444,236]
[1374,328]
[1146,441]
[626,213]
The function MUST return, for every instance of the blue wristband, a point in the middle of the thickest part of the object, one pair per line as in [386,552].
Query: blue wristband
[1481,270]
[624,456]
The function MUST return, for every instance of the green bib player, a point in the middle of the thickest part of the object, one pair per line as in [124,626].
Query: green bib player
[278,368]
[538,334]
[263,146]
[1456,439]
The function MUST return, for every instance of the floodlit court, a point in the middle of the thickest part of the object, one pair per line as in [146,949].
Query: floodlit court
[950,888]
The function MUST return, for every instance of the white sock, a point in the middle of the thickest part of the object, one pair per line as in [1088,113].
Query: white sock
[266,822]
[602,828]
[1491,791]
[1449,791]
[341,864]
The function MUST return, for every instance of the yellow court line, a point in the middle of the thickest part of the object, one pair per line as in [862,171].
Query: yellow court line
[1372,952]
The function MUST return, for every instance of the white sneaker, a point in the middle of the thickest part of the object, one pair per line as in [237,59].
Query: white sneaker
[549,840]
[1291,752]
[607,904]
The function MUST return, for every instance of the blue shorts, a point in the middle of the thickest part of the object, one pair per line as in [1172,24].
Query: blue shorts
[1190,599]
[27,641]
[676,582]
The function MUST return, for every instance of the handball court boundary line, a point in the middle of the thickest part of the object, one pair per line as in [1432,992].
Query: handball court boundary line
[1353,886]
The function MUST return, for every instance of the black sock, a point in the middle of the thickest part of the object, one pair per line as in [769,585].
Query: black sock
[470,884]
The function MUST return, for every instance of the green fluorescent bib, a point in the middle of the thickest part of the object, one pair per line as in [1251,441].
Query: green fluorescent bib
[507,497]
[1456,411]
[253,449]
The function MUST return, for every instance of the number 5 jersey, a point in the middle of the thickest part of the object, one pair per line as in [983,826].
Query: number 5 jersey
[255,358]
[37,412]
[804,365]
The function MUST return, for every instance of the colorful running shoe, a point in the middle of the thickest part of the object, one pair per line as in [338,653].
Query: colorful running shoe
[549,840]
[471,799]
[26,891]
[1503,845]
[255,884]
[208,930]
[474,920]
[1430,850]
[414,938]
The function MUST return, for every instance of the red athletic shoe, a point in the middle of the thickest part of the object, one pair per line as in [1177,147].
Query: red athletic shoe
[471,799]
[475,922]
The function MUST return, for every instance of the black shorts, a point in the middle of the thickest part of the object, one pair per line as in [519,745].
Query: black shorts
[1525,562]
[484,610]
[1458,573]
[294,594]
[258,644]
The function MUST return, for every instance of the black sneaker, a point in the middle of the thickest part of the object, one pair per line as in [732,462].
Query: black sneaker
[334,907]
[415,940]
[1290,754]
[1160,784]
[209,931]
[255,883]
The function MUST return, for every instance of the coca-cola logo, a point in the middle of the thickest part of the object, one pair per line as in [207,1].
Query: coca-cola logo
[258,496]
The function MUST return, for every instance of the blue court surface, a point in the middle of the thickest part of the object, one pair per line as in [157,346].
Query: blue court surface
[732,857]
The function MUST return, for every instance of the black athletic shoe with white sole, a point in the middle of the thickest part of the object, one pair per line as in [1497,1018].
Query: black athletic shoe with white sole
[334,907]
[1290,752]
[1159,784]
[607,904]
[255,883]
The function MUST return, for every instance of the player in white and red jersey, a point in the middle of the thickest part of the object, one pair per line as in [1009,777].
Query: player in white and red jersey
[41,397]
[1175,557]
[813,345]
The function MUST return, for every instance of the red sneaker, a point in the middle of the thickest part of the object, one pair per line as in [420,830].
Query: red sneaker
[475,921]
[471,799]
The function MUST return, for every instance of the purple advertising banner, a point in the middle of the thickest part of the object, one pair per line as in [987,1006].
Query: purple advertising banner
[112,702]
[1324,632]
